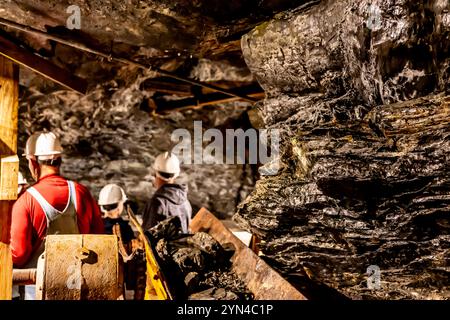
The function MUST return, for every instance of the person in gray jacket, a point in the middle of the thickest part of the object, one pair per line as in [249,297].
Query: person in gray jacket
[170,198]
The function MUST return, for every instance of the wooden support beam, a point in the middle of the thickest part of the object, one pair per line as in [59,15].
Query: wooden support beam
[162,107]
[168,86]
[44,67]
[9,169]
[9,108]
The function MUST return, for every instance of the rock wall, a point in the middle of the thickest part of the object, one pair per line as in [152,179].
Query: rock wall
[359,90]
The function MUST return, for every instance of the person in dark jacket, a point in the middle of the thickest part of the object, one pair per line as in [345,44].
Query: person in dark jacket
[170,198]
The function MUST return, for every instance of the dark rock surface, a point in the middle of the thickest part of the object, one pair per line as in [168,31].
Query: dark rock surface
[196,266]
[214,294]
[359,94]
[228,281]
[165,33]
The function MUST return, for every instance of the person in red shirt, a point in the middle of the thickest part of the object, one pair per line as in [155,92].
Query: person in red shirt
[53,205]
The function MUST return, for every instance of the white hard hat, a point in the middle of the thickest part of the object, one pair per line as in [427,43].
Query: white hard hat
[167,162]
[111,194]
[44,145]
[22,179]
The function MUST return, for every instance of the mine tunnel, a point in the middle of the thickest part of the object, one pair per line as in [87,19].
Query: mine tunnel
[224,150]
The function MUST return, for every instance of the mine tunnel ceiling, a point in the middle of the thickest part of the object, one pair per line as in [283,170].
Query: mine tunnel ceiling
[174,36]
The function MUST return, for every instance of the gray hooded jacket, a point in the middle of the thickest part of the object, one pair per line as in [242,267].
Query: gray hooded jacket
[168,201]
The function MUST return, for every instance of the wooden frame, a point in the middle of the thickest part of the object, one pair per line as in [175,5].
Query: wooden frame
[9,166]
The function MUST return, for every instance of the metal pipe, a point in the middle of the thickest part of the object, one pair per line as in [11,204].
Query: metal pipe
[24,277]
[110,57]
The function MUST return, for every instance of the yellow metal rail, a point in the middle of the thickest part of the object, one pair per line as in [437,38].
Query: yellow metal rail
[156,288]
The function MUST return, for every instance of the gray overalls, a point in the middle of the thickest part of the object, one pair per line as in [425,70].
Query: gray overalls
[58,222]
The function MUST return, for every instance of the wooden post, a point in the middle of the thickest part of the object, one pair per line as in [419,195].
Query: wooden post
[9,166]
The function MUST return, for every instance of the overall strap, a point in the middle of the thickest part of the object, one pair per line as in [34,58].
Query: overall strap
[50,212]
[73,194]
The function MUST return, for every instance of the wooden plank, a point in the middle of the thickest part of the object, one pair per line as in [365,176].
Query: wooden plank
[6,265]
[264,282]
[9,168]
[9,103]
[9,106]
[168,86]
[5,222]
[44,67]
[207,99]
[62,268]
[82,267]
[5,272]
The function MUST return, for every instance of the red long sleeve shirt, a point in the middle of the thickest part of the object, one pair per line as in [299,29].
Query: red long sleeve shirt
[29,223]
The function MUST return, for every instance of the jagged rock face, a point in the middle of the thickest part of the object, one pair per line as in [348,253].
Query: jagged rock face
[333,51]
[195,263]
[359,94]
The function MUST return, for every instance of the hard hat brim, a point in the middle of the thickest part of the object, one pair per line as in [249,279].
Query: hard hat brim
[42,155]
[53,153]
